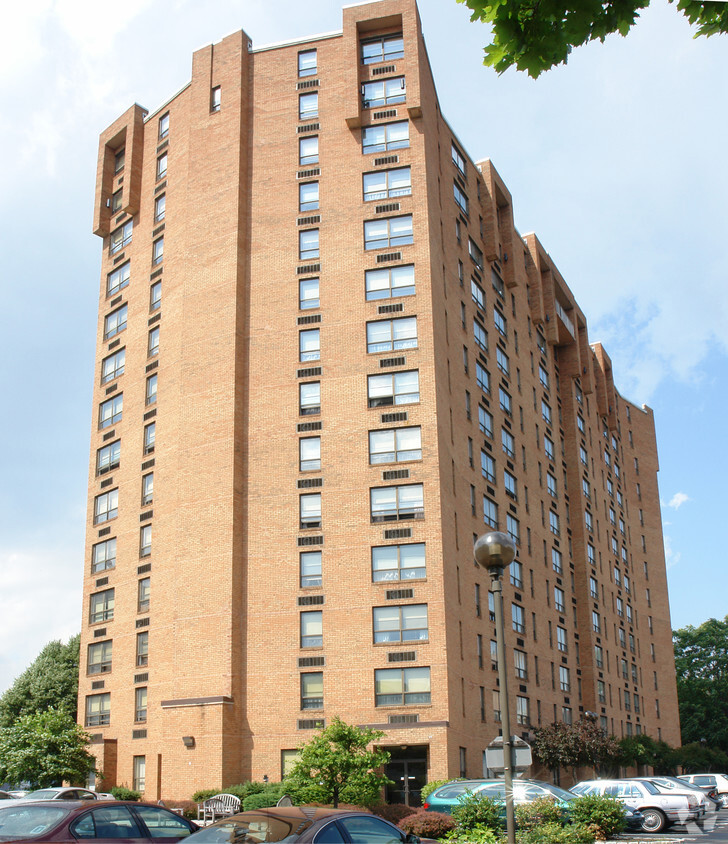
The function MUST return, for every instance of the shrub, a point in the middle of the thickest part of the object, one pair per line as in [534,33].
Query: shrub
[477,810]
[554,833]
[476,835]
[204,794]
[188,807]
[392,812]
[427,824]
[538,812]
[122,793]
[430,787]
[605,816]
[260,801]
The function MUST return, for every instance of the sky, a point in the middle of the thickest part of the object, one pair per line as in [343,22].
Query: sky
[617,161]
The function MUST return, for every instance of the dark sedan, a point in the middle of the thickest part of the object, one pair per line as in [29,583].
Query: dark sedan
[102,821]
[303,824]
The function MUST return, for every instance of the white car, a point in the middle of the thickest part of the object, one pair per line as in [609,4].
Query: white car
[717,781]
[61,794]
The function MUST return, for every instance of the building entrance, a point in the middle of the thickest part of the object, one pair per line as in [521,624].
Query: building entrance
[407,768]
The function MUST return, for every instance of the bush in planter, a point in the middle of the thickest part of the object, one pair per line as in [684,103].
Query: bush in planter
[427,824]
[122,793]
[475,810]
[554,833]
[392,812]
[605,816]
[538,812]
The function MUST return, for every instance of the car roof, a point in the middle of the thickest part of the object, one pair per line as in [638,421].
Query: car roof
[291,813]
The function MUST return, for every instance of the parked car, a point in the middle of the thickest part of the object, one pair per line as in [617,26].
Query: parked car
[446,797]
[708,799]
[6,795]
[61,794]
[717,781]
[659,810]
[64,820]
[303,824]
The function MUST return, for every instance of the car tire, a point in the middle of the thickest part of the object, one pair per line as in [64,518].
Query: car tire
[653,820]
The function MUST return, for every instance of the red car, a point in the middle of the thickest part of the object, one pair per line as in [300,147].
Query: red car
[67,822]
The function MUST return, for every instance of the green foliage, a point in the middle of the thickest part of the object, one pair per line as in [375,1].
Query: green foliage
[604,816]
[644,750]
[204,794]
[560,745]
[701,662]
[476,835]
[45,748]
[430,787]
[475,810]
[268,796]
[536,35]
[698,758]
[427,824]
[122,793]
[336,765]
[554,833]
[538,812]
[50,682]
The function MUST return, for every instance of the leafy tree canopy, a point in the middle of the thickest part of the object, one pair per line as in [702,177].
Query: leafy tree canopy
[337,766]
[45,748]
[50,681]
[701,662]
[560,745]
[536,35]
[644,750]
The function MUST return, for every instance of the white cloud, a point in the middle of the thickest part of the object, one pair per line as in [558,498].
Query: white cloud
[672,557]
[677,500]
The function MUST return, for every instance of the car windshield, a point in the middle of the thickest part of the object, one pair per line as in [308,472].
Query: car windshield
[251,829]
[21,822]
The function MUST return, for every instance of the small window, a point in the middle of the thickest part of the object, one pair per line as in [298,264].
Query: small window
[310,566]
[461,200]
[490,512]
[140,711]
[309,454]
[308,196]
[215,98]
[153,342]
[309,345]
[388,233]
[308,150]
[162,166]
[475,253]
[164,126]
[145,547]
[310,510]
[308,244]
[110,411]
[143,592]
[308,293]
[397,502]
[390,283]
[312,629]
[98,709]
[115,322]
[398,562]
[309,398]
[390,335]
[394,388]
[485,421]
[402,686]
[118,279]
[307,106]
[103,556]
[458,160]
[500,323]
[387,184]
[151,394]
[312,690]
[149,437]
[160,204]
[155,296]
[307,63]
[387,136]
[120,237]
[384,49]
[383,92]
[400,623]
[99,657]
[108,457]
[158,251]
[101,606]
[113,366]
[116,198]
[147,489]
[395,445]
[480,336]
[119,159]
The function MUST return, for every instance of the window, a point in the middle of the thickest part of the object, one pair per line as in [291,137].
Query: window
[591,554]
[110,411]
[516,570]
[596,625]
[307,64]
[511,484]
[106,506]
[385,184]
[308,244]
[383,92]
[500,322]
[518,618]
[115,322]
[593,588]
[155,296]
[519,662]
[142,649]
[599,656]
[158,251]
[554,523]
[119,157]
[151,395]
[490,512]
[504,400]
[99,657]
[147,488]
[393,231]
[394,388]
[312,629]
[145,542]
[120,237]
[98,710]
[496,705]
[312,690]
[310,568]
[401,686]
[583,456]
[601,691]
[101,606]
[566,714]
[163,126]
[162,166]
[386,284]
[386,136]
[475,253]
[140,705]
[390,335]
[395,445]
[480,336]
[309,398]
[522,716]
[502,361]
[118,279]
[461,200]
[143,593]
[103,556]
[139,766]
[308,150]
[310,510]
[626,583]
[477,293]
[482,377]
[149,437]
[392,503]
[487,467]
[116,199]
[108,457]
[398,562]
[400,624]
[485,421]
[543,377]
[588,521]
[508,443]
[458,159]
[551,485]
[561,642]
[559,599]
[383,49]
[307,106]
[545,412]
[153,343]
[215,98]
[308,196]
[548,447]
[309,345]
[309,449]
[556,563]
[308,293]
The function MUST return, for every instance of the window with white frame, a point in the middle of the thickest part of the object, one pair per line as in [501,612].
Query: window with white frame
[307,63]
[407,623]
[307,106]
[395,445]
[117,279]
[310,568]
[145,543]
[391,335]
[394,388]
[383,92]
[490,512]
[151,395]
[308,196]
[387,233]
[310,510]
[389,283]
[309,345]
[160,208]
[158,251]
[395,503]
[308,244]
[401,686]
[309,449]
[308,293]
[385,137]
[309,398]
[312,629]
[308,150]
[398,562]
[387,184]
[147,488]
[150,432]
[385,48]
[162,166]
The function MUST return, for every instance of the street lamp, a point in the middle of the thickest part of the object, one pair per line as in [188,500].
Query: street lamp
[495,551]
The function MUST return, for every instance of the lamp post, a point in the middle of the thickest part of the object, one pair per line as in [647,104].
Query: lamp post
[495,551]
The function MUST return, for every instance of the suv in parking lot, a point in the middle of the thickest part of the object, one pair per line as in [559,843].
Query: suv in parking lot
[707,781]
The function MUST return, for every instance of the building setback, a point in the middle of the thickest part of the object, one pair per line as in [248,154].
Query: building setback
[326,361]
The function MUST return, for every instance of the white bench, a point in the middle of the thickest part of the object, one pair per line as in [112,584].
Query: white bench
[219,806]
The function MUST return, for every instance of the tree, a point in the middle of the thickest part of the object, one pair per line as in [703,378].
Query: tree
[644,750]
[701,662]
[560,745]
[45,748]
[50,681]
[536,35]
[337,766]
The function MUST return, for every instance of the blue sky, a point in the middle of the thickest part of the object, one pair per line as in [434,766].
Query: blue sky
[616,161]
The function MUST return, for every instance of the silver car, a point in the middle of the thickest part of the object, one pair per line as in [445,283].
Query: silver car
[709,781]
[61,794]
[659,810]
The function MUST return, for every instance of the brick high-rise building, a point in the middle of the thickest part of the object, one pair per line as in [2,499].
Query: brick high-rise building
[326,361]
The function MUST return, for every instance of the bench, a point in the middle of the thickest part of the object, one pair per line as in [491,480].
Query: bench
[219,806]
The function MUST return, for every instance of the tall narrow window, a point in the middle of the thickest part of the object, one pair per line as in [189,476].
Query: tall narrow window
[310,565]
[215,98]
[308,150]
[308,196]
[307,63]
[310,454]
[308,293]
[307,106]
